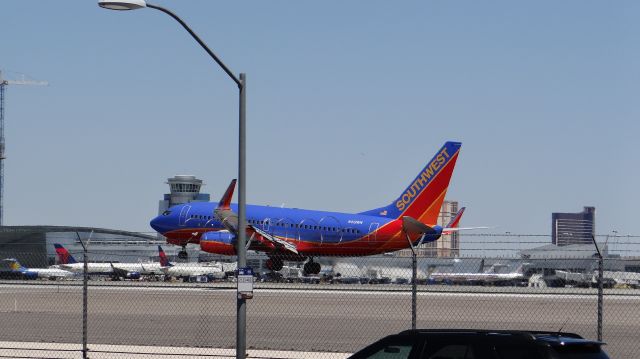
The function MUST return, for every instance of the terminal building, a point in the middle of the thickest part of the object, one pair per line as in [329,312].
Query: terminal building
[573,228]
[32,246]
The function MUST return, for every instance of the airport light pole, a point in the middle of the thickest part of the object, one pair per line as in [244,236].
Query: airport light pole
[241,82]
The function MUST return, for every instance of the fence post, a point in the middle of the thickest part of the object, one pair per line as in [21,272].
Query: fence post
[600,291]
[414,279]
[414,287]
[85,287]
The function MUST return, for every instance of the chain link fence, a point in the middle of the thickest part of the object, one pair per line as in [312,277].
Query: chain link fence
[146,311]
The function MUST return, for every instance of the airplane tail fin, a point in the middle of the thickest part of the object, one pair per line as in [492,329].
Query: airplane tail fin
[423,198]
[14,265]
[64,257]
[455,221]
[164,261]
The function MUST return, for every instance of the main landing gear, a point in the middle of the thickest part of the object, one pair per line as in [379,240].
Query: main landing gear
[311,267]
[274,264]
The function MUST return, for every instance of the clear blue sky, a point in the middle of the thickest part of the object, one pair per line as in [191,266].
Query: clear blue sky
[347,100]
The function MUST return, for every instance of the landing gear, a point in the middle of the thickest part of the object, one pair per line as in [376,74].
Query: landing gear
[311,267]
[274,264]
[183,253]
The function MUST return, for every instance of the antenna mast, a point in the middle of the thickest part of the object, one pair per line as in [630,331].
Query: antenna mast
[3,84]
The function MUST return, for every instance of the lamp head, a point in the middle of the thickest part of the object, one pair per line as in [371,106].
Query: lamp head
[122,4]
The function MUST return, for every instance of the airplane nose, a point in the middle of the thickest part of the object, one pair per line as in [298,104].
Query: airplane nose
[157,225]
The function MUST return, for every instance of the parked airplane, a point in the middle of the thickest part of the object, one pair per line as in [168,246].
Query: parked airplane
[33,273]
[187,270]
[116,270]
[297,235]
[482,277]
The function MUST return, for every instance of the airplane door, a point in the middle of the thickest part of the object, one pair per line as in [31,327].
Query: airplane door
[373,229]
[184,212]
[330,230]
[266,224]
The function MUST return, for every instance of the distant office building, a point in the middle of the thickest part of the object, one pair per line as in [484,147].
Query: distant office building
[183,189]
[573,228]
[449,244]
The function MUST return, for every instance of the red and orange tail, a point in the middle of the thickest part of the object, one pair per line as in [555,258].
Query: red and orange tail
[164,260]
[64,257]
[423,198]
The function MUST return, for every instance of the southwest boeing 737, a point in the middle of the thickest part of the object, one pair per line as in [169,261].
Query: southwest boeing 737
[294,234]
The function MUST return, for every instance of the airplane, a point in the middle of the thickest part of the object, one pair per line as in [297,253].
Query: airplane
[294,234]
[488,276]
[33,273]
[187,270]
[116,270]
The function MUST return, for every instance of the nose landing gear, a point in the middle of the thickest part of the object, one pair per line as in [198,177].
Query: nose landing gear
[183,253]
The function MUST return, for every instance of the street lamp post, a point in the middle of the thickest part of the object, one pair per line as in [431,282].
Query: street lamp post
[241,318]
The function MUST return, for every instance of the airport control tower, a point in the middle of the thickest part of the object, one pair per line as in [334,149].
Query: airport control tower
[184,189]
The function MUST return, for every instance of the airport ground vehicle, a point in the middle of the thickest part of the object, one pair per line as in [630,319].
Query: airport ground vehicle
[482,344]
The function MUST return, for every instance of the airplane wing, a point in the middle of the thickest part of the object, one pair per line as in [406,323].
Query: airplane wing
[229,220]
[119,271]
[278,242]
[455,221]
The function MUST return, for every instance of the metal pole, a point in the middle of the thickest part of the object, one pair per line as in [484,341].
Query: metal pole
[414,287]
[2,86]
[600,296]
[600,291]
[85,302]
[414,278]
[242,219]
[241,318]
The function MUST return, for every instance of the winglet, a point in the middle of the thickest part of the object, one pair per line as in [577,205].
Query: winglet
[225,201]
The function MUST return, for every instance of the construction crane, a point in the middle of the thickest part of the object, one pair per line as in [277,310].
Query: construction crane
[3,83]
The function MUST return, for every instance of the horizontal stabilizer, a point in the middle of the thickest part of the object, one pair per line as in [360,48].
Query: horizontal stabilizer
[457,229]
[412,225]
[455,222]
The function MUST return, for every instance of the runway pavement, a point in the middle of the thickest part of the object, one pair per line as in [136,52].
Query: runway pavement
[294,319]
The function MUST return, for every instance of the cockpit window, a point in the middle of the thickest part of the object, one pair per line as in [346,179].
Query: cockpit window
[166,213]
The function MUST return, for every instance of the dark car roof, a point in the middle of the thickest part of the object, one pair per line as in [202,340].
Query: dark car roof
[551,338]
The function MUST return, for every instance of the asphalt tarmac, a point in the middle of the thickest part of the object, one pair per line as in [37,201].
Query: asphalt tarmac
[296,319]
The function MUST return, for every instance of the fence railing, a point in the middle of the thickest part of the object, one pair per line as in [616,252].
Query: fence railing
[334,307]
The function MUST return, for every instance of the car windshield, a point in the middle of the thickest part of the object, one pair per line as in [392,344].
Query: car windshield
[582,351]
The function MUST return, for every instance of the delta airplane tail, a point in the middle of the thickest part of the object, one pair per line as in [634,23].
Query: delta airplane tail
[423,198]
[164,261]
[64,257]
